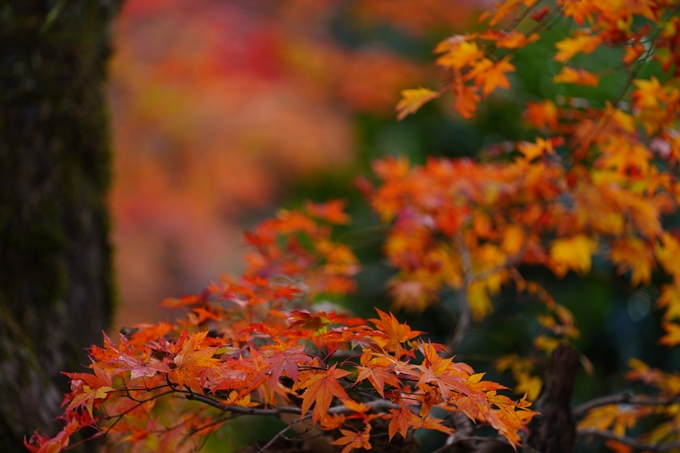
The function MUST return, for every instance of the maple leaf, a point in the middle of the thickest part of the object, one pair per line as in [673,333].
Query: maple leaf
[541,114]
[400,420]
[395,332]
[479,300]
[529,385]
[354,439]
[633,254]
[466,100]
[286,357]
[572,253]
[534,150]
[377,371]
[648,93]
[571,46]
[432,423]
[321,387]
[43,444]
[441,373]
[672,336]
[88,388]
[330,422]
[601,418]
[503,8]
[515,40]
[192,362]
[464,54]
[670,300]
[491,75]
[578,76]
[579,11]
[412,100]
[666,253]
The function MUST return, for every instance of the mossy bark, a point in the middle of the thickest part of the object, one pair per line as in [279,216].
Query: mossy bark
[56,292]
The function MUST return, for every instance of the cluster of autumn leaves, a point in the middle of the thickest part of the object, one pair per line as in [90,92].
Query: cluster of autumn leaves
[597,180]
[251,347]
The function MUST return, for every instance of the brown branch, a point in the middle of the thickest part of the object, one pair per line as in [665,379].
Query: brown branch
[376,406]
[634,443]
[623,398]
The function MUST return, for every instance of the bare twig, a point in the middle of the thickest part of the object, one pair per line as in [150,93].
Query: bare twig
[375,405]
[458,438]
[280,433]
[634,443]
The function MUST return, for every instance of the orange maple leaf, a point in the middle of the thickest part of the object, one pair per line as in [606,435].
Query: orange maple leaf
[432,423]
[354,439]
[89,387]
[541,114]
[441,373]
[377,371]
[491,75]
[578,76]
[394,332]
[192,362]
[400,420]
[321,388]
[467,98]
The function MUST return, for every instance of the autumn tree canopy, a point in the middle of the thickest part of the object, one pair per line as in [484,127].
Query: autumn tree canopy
[596,183]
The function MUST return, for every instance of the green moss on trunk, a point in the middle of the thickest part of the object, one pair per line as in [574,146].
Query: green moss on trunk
[56,292]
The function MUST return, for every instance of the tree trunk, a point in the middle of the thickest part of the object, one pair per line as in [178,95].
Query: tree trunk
[56,292]
[554,430]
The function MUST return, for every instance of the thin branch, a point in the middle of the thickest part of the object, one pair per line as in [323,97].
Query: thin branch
[623,398]
[458,438]
[376,406]
[465,319]
[634,443]
[281,433]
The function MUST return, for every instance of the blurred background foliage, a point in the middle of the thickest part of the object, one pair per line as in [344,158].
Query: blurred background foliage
[225,109]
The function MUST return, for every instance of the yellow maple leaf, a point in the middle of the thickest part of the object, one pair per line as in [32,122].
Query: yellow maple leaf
[572,253]
[529,385]
[513,239]
[534,150]
[601,418]
[464,54]
[578,76]
[667,253]
[672,336]
[547,344]
[670,299]
[479,300]
[412,100]
[571,46]
[633,254]
[648,93]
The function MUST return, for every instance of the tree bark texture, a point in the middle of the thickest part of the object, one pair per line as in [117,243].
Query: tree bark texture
[554,430]
[56,292]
